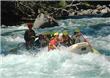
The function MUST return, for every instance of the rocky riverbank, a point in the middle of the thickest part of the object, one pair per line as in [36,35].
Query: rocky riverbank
[80,9]
[12,12]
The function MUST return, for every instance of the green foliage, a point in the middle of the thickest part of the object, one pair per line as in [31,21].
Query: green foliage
[62,4]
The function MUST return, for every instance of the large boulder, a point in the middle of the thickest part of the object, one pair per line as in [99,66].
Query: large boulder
[95,11]
[105,9]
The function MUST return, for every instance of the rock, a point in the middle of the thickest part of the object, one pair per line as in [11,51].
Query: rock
[71,10]
[104,6]
[72,14]
[104,10]
[95,11]
[65,12]
[3,26]
[90,11]
[109,5]
[99,7]
[75,13]
[85,12]
[80,13]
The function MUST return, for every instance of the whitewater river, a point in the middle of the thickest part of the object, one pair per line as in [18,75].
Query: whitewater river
[57,63]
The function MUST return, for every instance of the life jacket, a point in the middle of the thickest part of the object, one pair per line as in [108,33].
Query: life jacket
[51,44]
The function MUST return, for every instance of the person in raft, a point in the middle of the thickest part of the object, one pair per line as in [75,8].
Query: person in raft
[54,42]
[29,36]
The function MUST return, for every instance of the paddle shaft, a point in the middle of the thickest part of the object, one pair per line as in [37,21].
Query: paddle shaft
[87,42]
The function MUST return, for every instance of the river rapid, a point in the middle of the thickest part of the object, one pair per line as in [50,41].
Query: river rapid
[57,63]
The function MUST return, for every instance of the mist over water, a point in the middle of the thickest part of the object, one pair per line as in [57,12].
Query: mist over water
[57,63]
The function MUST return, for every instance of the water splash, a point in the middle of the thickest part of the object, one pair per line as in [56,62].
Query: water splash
[58,63]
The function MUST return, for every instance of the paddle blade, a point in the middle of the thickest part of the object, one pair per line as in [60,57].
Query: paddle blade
[95,51]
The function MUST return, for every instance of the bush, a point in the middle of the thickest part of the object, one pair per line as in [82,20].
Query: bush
[62,4]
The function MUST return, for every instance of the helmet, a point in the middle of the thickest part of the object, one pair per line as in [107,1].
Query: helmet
[65,33]
[77,30]
[29,25]
[56,34]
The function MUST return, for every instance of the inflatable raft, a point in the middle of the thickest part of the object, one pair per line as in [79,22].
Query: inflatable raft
[82,48]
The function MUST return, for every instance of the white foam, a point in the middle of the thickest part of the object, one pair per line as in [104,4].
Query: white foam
[14,39]
[23,26]
[56,63]
[101,42]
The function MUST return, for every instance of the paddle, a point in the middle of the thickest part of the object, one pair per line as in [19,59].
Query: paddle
[86,40]
[92,49]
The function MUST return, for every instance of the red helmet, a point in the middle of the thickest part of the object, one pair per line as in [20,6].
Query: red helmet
[29,25]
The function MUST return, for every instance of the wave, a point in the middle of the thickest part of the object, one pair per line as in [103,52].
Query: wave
[54,64]
[57,63]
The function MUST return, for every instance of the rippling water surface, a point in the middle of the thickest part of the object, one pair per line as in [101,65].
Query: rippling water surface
[57,63]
